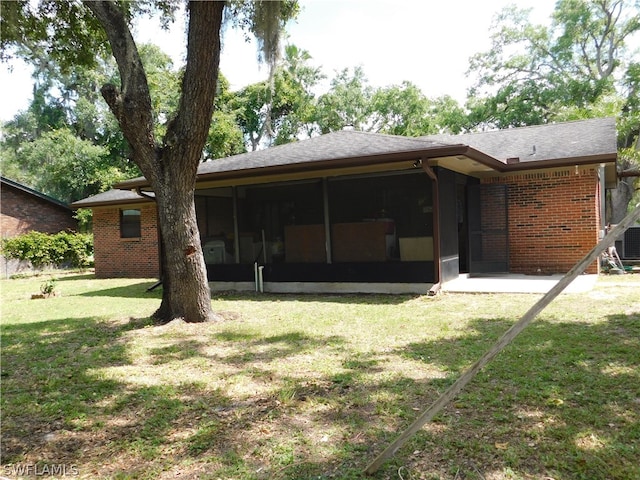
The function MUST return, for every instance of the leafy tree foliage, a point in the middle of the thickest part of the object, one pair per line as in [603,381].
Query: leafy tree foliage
[405,110]
[296,80]
[395,109]
[578,67]
[72,33]
[347,104]
[69,167]
[533,71]
[225,136]
[280,110]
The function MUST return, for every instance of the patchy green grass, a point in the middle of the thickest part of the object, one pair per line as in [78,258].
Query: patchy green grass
[315,386]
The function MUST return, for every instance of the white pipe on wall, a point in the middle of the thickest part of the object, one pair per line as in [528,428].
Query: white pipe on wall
[255,274]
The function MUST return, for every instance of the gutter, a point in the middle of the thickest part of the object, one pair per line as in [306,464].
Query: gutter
[511,165]
[146,195]
[333,164]
[515,164]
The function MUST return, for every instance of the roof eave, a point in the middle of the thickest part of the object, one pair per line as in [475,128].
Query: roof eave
[108,203]
[348,162]
[35,193]
[562,162]
[319,166]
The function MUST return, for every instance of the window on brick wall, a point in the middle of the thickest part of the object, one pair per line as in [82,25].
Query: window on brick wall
[130,224]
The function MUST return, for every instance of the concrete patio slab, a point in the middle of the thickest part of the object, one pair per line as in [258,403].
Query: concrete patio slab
[514,283]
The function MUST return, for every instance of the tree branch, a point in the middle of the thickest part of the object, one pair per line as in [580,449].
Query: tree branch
[132,104]
[191,124]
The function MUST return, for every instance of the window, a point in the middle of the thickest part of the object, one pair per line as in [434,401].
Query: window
[130,224]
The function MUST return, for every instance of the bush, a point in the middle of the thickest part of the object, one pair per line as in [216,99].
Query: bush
[48,287]
[42,249]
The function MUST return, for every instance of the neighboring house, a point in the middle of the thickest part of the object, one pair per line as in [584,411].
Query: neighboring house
[362,212]
[23,209]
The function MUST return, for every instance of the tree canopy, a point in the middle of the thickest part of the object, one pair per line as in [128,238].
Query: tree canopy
[166,145]
[578,66]
[532,72]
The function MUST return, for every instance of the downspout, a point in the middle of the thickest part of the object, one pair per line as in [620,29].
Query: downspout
[160,263]
[602,201]
[436,226]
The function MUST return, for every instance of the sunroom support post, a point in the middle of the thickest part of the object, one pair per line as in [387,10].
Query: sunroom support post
[236,235]
[436,226]
[327,220]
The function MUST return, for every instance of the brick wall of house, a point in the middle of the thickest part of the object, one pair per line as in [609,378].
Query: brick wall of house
[22,212]
[554,219]
[125,257]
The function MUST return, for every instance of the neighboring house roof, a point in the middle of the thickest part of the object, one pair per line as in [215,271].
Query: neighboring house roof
[571,143]
[23,188]
[24,209]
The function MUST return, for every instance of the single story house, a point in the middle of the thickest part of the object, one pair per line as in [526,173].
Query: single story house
[23,209]
[361,212]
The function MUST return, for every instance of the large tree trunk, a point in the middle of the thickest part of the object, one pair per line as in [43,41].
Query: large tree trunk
[170,167]
[185,287]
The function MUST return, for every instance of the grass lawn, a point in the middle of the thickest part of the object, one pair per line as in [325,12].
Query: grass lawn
[315,386]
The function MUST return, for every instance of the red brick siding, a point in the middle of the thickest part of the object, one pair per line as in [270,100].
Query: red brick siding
[554,219]
[125,257]
[23,212]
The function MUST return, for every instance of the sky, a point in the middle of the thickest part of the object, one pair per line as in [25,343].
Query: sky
[426,42]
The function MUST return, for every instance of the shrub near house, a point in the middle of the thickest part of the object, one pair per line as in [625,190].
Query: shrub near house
[42,249]
[25,211]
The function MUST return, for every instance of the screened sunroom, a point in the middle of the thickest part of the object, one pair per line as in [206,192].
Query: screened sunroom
[374,228]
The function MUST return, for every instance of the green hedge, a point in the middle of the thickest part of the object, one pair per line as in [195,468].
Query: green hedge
[42,249]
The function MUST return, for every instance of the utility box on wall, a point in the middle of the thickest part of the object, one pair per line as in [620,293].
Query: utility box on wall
[631,244]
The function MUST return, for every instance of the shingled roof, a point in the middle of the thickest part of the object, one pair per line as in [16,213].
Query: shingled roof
[112,197]
[335,146]
[578,139]
[543,146]
[316,152]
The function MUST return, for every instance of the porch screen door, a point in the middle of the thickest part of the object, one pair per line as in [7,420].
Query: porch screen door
[488,229]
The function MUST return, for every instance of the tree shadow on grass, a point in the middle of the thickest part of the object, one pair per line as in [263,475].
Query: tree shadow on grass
[560,402]
[138,290]
[45,385]
[270,349]
[141,290]
[60,405]
[556,403]
[65,277]
[338,298]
